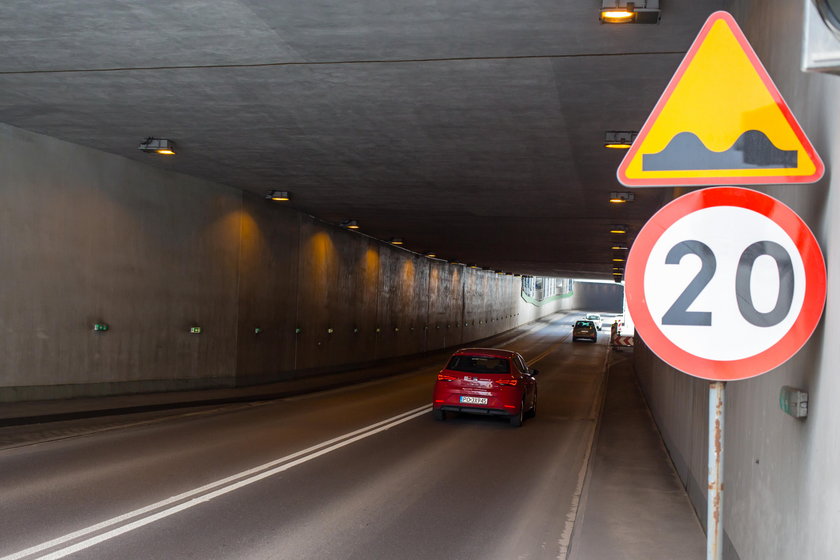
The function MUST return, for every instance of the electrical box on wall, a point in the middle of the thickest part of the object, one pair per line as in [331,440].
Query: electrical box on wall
[794,401]
[821,37]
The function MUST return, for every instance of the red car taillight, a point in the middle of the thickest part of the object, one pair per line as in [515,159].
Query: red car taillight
[444,377]
[511,382]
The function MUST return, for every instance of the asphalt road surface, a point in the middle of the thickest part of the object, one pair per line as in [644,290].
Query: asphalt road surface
[362,472]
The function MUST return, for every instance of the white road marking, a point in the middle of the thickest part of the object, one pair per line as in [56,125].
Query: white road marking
[186,500]
[574,507]
[571,516]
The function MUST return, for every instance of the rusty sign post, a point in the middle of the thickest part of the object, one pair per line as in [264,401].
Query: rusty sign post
[714,510]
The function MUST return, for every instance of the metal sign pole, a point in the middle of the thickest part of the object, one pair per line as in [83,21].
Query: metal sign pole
[714,509]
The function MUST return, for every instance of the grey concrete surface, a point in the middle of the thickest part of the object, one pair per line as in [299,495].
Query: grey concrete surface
[28,412]
[472,128]
[152,253]
[468,488]
[781,473]
[634,506]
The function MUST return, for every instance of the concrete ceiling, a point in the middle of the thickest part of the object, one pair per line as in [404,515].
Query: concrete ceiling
[473,128]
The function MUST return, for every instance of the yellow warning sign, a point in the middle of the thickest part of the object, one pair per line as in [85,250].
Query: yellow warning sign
[720,121]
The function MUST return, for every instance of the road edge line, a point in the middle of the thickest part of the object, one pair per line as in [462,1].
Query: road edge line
[576,516]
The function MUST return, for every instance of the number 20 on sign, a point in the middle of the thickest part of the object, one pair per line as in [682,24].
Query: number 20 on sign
[725,283]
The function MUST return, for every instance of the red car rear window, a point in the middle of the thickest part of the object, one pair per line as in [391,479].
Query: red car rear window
[479,364]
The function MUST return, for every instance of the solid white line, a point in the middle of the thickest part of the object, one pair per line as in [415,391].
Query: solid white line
[574,507]
[206,493]
[571,516]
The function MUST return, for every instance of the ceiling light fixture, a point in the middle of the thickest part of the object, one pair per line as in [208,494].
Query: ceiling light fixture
[622,11]
[278,195]
[160,146]
[350,224]
[619,247]
[622,197]
[618,228]
[619,139]
[430,254]
[396,241]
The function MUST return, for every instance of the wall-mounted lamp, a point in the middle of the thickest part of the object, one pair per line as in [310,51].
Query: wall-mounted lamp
[350,224]
[619,139]
[278,195]
[160,146]
[622,11]
[618,228]
[622,197]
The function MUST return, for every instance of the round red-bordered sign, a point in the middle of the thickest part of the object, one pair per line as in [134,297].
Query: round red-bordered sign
[725,283]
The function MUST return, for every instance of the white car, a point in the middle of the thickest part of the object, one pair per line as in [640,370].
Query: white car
[595,318]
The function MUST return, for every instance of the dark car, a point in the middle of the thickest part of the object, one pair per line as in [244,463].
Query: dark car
[584,330]
[486,381]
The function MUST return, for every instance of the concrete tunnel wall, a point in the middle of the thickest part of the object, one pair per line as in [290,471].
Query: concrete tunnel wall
[599,296]
[89,237]
[782,475]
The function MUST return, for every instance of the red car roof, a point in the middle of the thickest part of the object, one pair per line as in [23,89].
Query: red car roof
[495,352]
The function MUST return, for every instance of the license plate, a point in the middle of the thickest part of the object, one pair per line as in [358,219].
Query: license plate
[474,400]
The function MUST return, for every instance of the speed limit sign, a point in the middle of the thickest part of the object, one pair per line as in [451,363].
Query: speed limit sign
[725,283]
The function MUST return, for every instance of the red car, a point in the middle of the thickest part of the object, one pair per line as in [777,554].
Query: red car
[486,381]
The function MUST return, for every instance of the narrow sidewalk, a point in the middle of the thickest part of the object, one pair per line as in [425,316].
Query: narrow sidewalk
[634,506]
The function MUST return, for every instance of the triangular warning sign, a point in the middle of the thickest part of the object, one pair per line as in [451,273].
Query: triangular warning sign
[721,121]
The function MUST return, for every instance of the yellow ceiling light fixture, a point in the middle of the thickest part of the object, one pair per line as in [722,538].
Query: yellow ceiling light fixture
[161,146]
[350,224]
[396,241]
[622,11]
[619,247]
[618,228]
[622,197]
[278,196]
[619,139]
